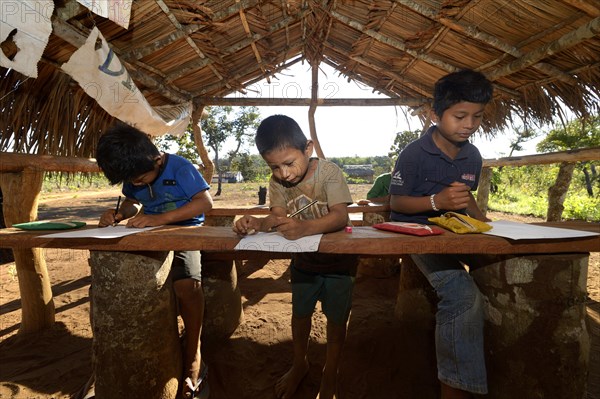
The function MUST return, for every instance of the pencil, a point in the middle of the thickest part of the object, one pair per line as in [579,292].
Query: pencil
[303,208]
[117,209]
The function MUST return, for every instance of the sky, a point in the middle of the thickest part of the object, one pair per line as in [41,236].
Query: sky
[353,131]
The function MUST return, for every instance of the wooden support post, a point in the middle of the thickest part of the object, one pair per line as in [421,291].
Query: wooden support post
[313,108]
[208,167]
[136,348]
[483,190]
[21,192]
[536,339]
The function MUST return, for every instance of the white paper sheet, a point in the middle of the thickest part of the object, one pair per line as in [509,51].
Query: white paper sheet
[100,232]
[275,242]
[524,231]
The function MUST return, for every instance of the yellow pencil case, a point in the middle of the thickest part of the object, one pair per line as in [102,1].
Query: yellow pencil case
[460,224]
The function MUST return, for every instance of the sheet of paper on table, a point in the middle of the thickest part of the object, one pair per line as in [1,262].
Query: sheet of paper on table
[524,231]
[275,242]
[100,232]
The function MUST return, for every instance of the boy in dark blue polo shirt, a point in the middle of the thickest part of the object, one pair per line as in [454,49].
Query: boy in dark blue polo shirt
[434,174]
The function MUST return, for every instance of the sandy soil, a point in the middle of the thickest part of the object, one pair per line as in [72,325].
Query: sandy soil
[379,359]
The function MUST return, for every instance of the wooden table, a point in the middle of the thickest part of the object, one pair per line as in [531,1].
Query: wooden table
[362,241]
[536,283]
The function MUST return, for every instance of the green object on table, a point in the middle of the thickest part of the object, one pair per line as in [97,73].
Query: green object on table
[50,225]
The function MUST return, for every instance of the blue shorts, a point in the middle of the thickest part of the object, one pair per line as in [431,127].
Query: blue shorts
[333,290]
[186,264]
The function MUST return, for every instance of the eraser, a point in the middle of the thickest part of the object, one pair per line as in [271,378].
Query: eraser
[348,229]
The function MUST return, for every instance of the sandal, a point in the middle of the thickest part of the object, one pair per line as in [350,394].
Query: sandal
[201,389]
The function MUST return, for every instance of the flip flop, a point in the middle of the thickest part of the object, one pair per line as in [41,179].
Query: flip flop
[201,390]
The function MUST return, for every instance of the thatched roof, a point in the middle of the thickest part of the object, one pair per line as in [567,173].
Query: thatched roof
[539,54]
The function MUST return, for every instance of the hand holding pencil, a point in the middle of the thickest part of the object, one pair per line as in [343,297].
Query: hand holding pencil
[111,217]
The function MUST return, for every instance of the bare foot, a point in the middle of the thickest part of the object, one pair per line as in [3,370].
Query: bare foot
[328,388]
[288,383]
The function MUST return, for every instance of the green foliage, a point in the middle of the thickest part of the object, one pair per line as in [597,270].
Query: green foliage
[252,166]
[222,123]
[578,133]
[183,145]
[80,181]
[403,139]
[522,136]
[524,190]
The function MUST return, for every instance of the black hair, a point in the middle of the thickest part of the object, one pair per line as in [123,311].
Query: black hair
[125,153]
[465,85]
[279,132]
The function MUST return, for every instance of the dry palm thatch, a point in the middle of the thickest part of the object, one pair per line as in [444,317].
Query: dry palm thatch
[542,57]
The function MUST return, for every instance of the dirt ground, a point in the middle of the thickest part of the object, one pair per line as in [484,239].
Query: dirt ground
[379,359]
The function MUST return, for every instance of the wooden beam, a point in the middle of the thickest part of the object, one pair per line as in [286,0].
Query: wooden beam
[569,40]
[303,102]
[149,48]
[253,45]
[351,75]
[578,155]
[15,162]
[187,30]
[237,77]
[193,66]
[395,43]
[188,39]
[71,35]
[474,33]
[589,7]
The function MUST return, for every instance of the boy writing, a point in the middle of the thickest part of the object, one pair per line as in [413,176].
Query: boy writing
[161,189]
[297,180]
[434,174]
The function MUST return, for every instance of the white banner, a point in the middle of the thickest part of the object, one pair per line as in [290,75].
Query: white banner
[27,24]
[118,11]
[103,77]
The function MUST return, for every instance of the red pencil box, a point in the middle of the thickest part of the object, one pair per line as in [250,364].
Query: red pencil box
[414,229]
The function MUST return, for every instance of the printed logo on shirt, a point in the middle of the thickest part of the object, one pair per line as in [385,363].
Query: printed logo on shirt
[397,179]
[468,176]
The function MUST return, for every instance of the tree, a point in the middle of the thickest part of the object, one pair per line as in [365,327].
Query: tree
[402,140]
[184,145]
[252,167]
[523,135]
[579,133]
[220,125]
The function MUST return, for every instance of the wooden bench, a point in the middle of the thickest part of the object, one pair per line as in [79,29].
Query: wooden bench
[534,293]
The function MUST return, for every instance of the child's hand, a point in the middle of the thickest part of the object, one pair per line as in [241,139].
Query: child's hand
[110,218]
[454,197]
[142,220]
[246,225]
[290,228]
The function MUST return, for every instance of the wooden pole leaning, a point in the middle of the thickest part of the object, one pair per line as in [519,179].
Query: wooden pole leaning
[21,193]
